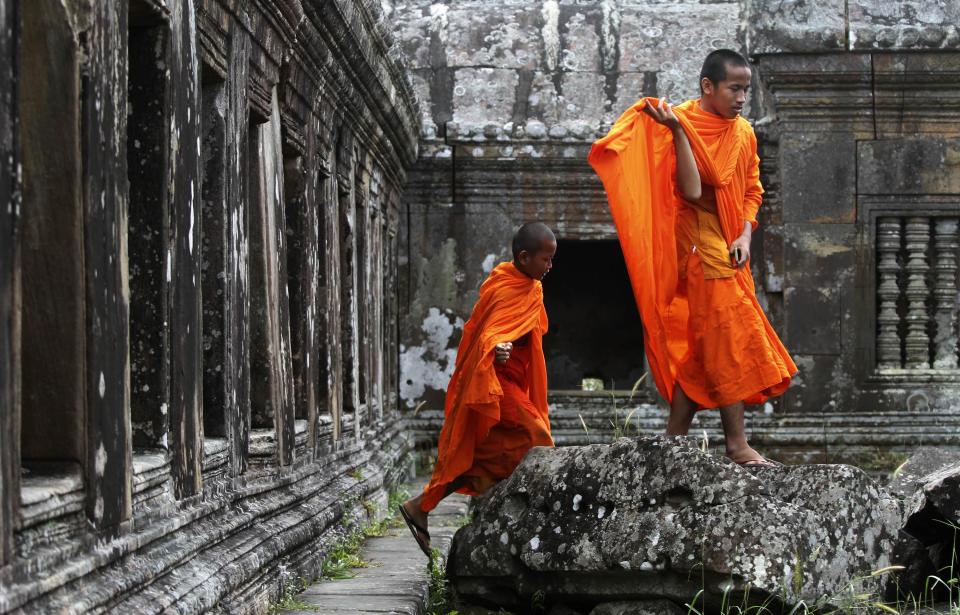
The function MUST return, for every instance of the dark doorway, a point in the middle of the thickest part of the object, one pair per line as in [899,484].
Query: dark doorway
[595,330]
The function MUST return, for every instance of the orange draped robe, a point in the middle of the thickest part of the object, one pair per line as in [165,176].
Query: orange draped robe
[493,413]
[704,329]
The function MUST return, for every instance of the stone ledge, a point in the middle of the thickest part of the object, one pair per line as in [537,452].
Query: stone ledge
[214,551]
[871,440]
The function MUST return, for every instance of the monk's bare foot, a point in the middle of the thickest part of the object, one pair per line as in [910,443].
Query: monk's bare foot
[416,521]
[749,457]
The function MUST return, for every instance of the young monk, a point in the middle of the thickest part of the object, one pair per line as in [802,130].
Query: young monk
[496,404]
[684,188]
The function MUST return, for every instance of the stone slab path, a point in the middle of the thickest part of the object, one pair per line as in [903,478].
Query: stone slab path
[397,580]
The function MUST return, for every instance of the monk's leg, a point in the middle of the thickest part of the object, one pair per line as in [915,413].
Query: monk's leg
[735,436]
[682,409]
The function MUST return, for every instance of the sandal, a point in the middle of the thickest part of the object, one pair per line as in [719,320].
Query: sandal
[755,461]
[417,531]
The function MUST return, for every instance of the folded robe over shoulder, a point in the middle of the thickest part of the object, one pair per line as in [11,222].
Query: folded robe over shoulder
[636,161]
[510,306]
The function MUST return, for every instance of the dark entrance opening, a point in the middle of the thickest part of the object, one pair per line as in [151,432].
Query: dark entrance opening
[595,330]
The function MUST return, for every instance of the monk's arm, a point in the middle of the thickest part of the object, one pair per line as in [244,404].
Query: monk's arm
[751,204]
[688,177]
[754,193]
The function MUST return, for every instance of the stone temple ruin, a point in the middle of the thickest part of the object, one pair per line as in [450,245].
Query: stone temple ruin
[855,108]
[240,238]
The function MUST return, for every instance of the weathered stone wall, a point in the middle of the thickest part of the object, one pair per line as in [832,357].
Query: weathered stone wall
[854,104]
[198,296]
[861,236]
[513,93]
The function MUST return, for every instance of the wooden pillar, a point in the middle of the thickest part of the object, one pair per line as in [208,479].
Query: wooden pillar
[186,337]
[236,363]
[332,382]
[272,370]
[9,212]
[105,238]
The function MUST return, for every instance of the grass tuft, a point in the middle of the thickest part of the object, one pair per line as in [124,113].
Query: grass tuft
[439,594]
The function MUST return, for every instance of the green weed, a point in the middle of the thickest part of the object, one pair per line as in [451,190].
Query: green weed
[439,594]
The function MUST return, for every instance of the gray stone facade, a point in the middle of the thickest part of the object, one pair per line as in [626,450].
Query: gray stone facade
[197,295]
[856,258]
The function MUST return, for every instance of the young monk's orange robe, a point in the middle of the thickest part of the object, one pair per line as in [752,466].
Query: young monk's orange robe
[704,328]
[494,413]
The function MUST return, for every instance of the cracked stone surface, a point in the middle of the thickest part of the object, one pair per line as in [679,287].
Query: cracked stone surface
[656,518]
[929,483]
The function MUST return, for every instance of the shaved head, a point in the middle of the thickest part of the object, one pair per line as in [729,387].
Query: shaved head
[715,66]
[530,237]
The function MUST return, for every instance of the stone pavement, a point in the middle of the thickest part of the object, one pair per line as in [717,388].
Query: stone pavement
[398,579]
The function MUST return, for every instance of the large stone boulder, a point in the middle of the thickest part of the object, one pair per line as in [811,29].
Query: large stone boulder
[656,518]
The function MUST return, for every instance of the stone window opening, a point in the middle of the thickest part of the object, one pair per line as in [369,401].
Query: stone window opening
[916,286]
[326,406]
[347,237]
[348,312]
[600,339]
[50,415]
[364,296]
[302,236]
[214,228]
[149,263]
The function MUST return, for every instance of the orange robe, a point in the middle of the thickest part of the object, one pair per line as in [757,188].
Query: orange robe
[493,413]
[703,328]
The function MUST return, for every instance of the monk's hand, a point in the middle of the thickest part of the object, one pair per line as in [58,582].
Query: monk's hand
[740,251]
[662,113]
[501,352]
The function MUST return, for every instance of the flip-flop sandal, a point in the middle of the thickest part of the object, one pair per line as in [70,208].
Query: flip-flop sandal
[758,462]
[417,531]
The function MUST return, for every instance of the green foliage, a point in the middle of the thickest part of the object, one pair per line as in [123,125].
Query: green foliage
[854,599]
[290,599]
[465,519]
[344,557]
[439,595]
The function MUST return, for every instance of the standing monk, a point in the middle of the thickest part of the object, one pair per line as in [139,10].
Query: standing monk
[496,404]
[684,188]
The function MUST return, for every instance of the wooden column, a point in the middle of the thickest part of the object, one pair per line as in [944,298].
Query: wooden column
[9,211]
[105,238]
[186,349]
[236,364]
[272,382]
[331,381]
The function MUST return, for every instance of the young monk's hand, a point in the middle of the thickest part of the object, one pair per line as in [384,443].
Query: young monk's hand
[662,114]
[501,352]
[741,247]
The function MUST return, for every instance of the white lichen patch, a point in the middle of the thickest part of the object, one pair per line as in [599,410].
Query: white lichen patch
[488,263]
[430,364]
[551,33]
